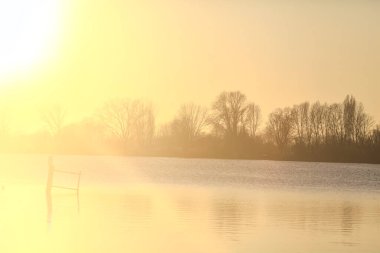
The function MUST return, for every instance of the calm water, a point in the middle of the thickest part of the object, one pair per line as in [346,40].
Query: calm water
[188,205]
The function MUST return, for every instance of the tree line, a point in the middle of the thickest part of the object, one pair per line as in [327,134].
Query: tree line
[232,127]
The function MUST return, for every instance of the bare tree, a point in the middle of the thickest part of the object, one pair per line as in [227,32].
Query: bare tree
[317,122]
[357,123]
[301,117]
[165,131]
[363,125]
[335,123]
[228,114]
[252,119]
[130,121]
[279,127]
[375,136]
[143,122]
[54,118]
[349,117]
[190,121]
[116,115]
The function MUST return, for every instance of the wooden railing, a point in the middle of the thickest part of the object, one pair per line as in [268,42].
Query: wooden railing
[78,174]
[50,179]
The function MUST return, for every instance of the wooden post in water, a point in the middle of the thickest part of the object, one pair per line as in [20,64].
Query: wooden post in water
[50,178]
[78,183]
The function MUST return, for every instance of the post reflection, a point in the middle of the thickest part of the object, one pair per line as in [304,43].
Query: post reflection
[232,216]
[49,187]
[49,207]
[350,217]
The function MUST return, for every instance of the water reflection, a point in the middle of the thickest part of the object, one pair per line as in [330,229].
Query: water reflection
[321,220]
[289,208]
[232,216]
[174,219]
[49,205]
[351,217]
[309,220]
[316,214]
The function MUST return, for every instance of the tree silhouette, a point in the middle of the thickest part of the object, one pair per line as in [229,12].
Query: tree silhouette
[280,127]
[252,119]
[363,125]
[349,117]
[131,121]
[228,114]
[54,118]
[190,122]
[337,132]
[302,126]
[335,123]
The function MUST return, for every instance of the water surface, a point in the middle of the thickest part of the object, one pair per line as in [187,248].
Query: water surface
[188,205]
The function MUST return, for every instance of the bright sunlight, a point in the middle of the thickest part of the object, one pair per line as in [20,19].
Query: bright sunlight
[28,31]
[165,126]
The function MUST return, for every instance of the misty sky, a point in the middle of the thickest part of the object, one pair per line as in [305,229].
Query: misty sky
[173,51]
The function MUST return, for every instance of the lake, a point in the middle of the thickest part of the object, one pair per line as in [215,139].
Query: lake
[136,204]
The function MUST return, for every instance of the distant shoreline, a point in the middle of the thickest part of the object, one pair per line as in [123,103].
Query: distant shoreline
[186,157]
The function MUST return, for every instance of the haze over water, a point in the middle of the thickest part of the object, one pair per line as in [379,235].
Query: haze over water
[189,205]
[294,80]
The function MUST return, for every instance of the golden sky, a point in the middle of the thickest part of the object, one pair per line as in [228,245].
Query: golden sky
[80,53]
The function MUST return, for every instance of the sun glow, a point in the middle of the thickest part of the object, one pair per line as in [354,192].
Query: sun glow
[28,30]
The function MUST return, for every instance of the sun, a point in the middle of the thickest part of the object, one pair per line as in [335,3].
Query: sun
[28,33]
